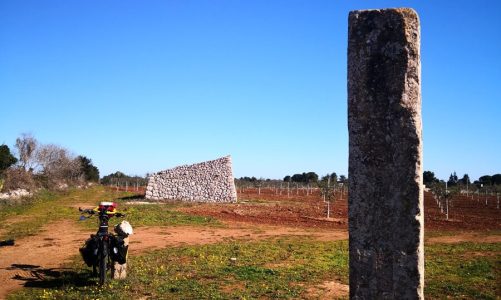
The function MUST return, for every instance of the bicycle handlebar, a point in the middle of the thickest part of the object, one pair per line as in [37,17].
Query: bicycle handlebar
[87,211]
[92,212]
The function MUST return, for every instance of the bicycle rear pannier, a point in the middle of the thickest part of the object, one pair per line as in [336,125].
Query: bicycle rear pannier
[118,250]
[89,251]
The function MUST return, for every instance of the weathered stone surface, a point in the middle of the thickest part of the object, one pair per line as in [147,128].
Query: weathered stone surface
[210,181]
[385,156]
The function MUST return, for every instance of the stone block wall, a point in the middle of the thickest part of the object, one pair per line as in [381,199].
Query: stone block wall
[210,181]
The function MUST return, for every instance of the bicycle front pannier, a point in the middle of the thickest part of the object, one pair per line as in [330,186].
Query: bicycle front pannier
[89,251]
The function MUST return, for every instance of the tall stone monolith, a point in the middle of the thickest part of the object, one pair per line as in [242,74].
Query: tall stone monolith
[385,156]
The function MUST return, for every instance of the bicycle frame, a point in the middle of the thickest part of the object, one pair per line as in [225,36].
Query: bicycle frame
[104,238]
[104,246]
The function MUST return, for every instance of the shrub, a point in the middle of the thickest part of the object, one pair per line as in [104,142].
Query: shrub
[18,178]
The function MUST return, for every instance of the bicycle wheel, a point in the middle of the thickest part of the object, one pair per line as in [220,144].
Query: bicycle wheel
[103,261]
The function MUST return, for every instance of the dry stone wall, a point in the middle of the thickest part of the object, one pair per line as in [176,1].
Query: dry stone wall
[210,181]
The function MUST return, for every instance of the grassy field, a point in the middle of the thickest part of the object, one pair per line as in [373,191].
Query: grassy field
[276,268]
[273,269]
[28,217]
[463,271]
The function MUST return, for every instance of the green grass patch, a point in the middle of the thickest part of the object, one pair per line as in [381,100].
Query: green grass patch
[163,215]
[272,269]
[28,217]
[463,271]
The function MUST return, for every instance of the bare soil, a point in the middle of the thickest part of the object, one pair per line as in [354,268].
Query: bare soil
[310,211]
[150,238]
[304,211]
[31,257]
[465,214]
[328,290]
[467,237]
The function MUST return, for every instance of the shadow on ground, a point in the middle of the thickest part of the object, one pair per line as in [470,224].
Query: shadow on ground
[37,277]
[133,198]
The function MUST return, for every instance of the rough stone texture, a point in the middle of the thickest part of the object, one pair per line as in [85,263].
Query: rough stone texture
[385,156]
[15,194]
[210,181]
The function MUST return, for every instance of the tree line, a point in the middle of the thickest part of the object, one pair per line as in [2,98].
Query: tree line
[303,178]
[35,165]
[428,179]
[119,178]
[483,181]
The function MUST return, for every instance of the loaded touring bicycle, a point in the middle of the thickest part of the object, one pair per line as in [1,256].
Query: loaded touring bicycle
[104,249]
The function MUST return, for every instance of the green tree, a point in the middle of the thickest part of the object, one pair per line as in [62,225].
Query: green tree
[90,172]
[496,179]
[453,179]
[429,178]
[248,179]
[6,158]
[108,178]
[465,180]
[298,178]
[311,177]
[485,180]
[333,177]
[122,178]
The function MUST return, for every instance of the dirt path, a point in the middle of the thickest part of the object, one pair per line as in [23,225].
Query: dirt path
[150,238]
[465,237]
[57,243]
[46,251]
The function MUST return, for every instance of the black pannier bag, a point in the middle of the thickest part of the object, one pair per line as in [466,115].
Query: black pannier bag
[118,250]
[89,251]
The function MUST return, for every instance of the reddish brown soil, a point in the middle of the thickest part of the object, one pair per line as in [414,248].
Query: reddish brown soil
[33,256]
[275,209]
[310,211]
[328,290]
[465,214]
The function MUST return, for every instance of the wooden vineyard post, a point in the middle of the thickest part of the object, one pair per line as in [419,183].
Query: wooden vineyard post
[446,202]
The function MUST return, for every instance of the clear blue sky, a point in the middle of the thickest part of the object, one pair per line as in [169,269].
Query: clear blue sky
[141,86]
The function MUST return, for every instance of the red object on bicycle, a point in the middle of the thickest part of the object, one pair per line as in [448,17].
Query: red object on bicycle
[109,206]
